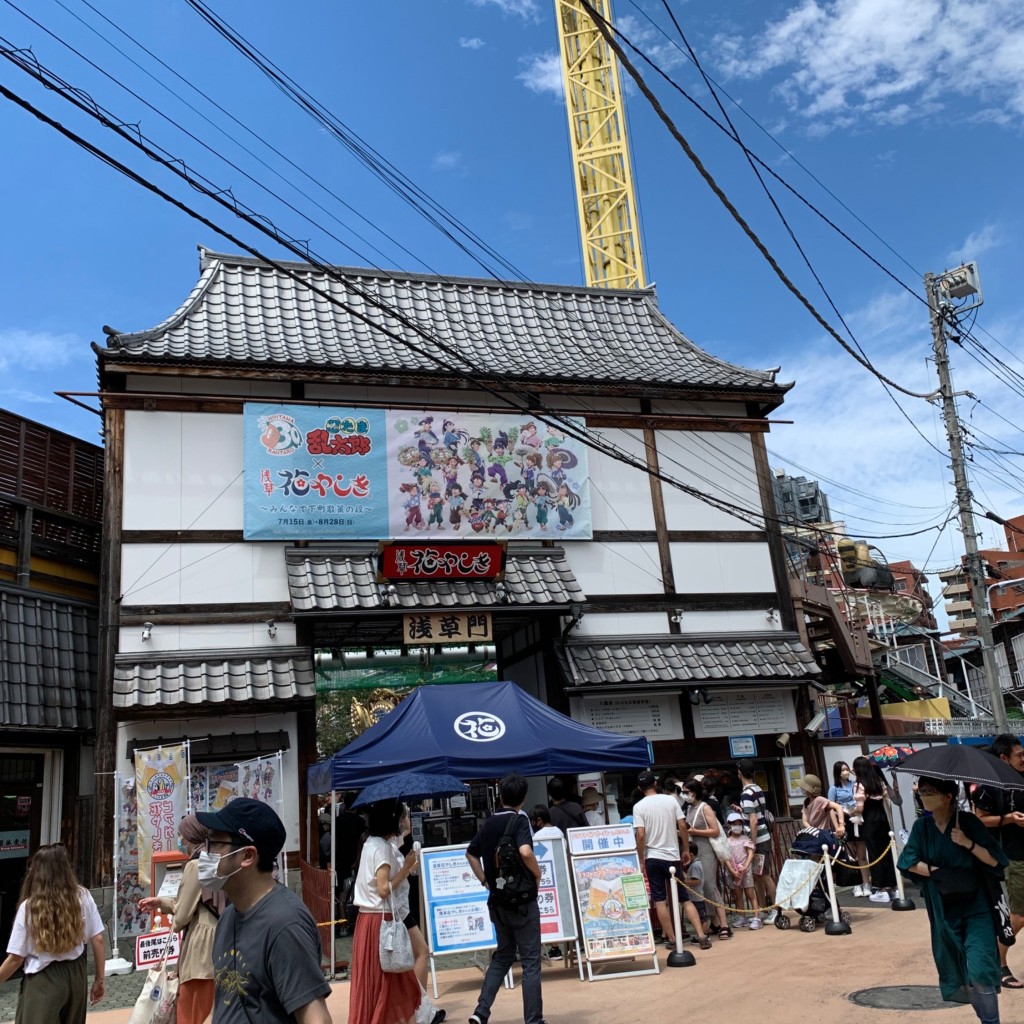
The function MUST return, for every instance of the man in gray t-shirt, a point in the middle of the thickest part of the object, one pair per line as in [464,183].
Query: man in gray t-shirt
[266,954]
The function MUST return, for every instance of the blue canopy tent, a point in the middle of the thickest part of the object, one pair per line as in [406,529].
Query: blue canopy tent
[475,731]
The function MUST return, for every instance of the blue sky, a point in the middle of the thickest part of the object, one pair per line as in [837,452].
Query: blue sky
[909,111]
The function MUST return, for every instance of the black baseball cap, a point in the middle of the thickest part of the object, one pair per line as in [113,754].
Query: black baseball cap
[646,779]
[250,822]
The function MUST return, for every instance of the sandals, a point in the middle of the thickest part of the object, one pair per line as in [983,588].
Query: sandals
[1007,980]
[725,933]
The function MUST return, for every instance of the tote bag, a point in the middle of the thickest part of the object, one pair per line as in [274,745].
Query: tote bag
[159,996]
[395,944]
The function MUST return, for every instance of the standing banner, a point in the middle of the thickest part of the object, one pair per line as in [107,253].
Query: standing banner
[320,472]
[612,898]
[260,779]
[128,889]
[162,795]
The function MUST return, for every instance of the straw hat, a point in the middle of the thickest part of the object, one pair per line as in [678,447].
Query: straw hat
[590,798]
[811,785]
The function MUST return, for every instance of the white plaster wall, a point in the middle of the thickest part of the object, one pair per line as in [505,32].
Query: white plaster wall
[620,496]
[717,463]
[203,573]
[169,727]
[182,471]
[624,624]
[224,636]
[721,567]
[728,622]
[615,568]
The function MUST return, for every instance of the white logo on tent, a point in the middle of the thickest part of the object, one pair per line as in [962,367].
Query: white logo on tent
[479,726]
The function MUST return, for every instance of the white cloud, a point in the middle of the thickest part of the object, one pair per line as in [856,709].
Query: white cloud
[528,9]
[543,73]
[665,53]
[843,62]
[474,43]
[847,428]
[37,350]
[977,242]
[447,161]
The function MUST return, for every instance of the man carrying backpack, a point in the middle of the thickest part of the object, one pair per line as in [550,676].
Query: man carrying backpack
[501,856]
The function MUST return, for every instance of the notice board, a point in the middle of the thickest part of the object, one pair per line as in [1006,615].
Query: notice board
[454,903]
[611,893]
[554,894]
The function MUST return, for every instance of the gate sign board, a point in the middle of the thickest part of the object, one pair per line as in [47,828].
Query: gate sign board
[447,628]
[342,473]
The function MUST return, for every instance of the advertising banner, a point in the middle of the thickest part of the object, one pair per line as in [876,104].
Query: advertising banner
[260,779]
[161,789]
[554,894]
[329,473]
[613,906]
[455,903]
[447,561]
[128,891]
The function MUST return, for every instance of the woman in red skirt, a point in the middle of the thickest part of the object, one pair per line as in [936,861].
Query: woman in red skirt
[376,997]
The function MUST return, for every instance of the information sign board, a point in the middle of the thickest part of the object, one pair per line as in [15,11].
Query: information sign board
[554,894]
[149,949]
[454,903]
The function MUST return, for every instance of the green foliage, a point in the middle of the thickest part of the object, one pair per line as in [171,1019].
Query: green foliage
[334,721]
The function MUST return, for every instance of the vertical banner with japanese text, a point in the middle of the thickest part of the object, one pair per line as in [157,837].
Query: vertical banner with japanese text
[162,796]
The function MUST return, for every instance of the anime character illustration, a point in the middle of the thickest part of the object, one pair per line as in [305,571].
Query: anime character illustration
[426,439]
[472,454]
[423,470]
[532,465]
[412,505]
[553,438]
[435,507]
[499,458]
[451,472]
[452,437]
[543,502]
[529,439]
[565,502]
[456,501]
[501,516]
[477,492]
[519,522]
[488,515]
[521,498]
[559,460]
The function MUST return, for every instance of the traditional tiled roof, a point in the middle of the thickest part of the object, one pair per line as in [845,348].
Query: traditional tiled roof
[344,577]
[47,662]
[708,660]
[213,677]
[244,311]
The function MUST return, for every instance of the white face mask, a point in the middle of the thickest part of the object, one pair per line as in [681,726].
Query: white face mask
[687,798]
[735,829]
[208,864]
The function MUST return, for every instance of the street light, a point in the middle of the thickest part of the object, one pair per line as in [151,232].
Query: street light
[993,586]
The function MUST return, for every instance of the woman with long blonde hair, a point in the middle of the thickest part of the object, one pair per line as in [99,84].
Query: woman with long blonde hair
[56,916]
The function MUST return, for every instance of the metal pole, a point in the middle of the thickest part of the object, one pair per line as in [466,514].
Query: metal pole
[973,568]
[837,926]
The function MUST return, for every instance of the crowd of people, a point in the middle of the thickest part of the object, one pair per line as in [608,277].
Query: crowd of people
[251,949]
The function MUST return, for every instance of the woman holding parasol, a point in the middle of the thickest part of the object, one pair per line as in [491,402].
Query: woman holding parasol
[958,866]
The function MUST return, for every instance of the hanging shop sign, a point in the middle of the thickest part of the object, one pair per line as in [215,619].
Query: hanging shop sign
[447,628]
[365,474]
[412,562]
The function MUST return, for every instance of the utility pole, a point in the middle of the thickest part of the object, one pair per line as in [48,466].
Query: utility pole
[962,283]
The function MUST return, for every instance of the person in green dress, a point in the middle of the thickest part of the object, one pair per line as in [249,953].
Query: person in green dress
[963,931]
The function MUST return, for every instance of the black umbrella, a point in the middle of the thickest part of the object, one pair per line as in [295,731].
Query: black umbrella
[962,764]
[411,786]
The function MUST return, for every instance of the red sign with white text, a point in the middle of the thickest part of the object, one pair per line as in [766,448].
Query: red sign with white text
[420,561]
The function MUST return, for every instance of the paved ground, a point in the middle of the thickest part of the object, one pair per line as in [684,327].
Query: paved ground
[769,977]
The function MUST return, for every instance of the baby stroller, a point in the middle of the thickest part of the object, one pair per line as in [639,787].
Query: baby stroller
[802,885]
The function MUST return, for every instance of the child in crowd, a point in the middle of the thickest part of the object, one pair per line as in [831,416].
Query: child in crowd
[695,888]
[741,857]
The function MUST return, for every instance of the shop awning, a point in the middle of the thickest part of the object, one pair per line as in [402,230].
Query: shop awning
[763,659]
[476,731]
[212,678]
[343,577]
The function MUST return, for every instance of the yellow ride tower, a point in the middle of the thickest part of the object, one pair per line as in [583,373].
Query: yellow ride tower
[605,194]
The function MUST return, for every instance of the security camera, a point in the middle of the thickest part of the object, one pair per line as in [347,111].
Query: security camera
[782,739]
[815,724]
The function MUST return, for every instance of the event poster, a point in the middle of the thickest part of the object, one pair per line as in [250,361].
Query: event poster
[162,796]
[213,785]
[329,473]
[455,903]
[614,925]
[260,779]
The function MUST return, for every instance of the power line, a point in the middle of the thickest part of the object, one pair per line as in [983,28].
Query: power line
[698,164]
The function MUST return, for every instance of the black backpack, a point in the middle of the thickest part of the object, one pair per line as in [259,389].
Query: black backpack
[514,884]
